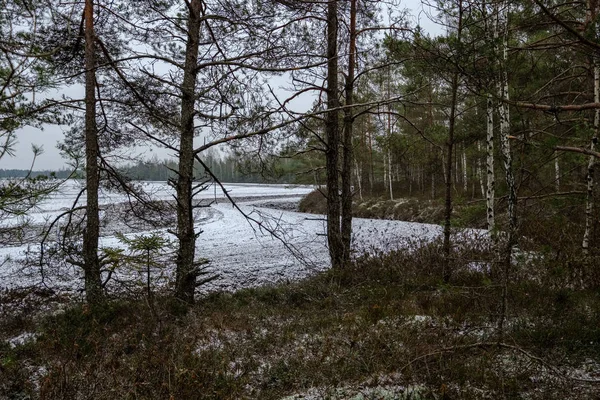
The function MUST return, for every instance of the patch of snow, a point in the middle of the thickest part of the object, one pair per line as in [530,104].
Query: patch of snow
[589,370]
[21,339]
[383,392]
[421,319]
[243,253]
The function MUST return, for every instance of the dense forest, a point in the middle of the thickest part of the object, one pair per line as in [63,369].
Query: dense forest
[495,122]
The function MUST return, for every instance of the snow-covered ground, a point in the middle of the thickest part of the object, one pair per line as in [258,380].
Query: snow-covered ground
[242,252]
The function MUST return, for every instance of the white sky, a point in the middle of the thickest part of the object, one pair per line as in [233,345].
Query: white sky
[48,138]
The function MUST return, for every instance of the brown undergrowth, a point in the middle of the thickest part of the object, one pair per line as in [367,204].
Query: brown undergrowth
[385,327]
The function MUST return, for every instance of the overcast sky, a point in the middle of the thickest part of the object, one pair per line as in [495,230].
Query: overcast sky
[52,134]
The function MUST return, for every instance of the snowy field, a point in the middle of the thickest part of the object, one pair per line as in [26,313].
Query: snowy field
[244,253]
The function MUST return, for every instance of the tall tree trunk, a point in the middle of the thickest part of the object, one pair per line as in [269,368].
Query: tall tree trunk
[510,179]
[346,229]
[385,172]
[371,166]
[447,272]
[389,134]
[556,172]
[364,160]
[332,131]
[456,169]
[186,274]
[490,193]
[93,282]
[465,171]
[589,205]
[390,181]
[480,170]
[359,179]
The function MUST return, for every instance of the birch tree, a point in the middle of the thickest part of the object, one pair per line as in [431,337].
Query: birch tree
[489,164]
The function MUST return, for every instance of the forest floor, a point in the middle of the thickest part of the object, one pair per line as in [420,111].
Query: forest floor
[383,328]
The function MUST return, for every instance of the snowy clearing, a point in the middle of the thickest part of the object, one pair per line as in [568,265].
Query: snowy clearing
[243,253]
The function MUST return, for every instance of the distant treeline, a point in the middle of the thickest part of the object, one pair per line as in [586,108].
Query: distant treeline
[22,173]
[228,169]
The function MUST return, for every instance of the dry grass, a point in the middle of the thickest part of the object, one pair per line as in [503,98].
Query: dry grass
[384,327]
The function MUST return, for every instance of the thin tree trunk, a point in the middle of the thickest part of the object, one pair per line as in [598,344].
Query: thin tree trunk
[474,172]
[385,171]
[390,174]
[556,172]
[334,238]
[456,169]
[363,161]
[389,132]
[371,166]
[510,179]
[186,274]
[589,205]
[444,168]
[410,180]
[93,281]
[447,272]
[480,170]
[490,193]
[359,179]
[465,172]
[346,229]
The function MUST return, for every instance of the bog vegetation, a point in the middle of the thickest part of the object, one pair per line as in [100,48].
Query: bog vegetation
[492,123]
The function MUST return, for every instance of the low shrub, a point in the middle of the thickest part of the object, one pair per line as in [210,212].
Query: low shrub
[315,202]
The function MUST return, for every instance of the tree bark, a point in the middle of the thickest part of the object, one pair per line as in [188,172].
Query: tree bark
[93,281]
[510,179]
[491,177]
[334,239]
[186,270]
[480,170]
[592,13]
[346,229]
[589,204]
[389,135]
[447,272]
[465,170]
[556,172]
